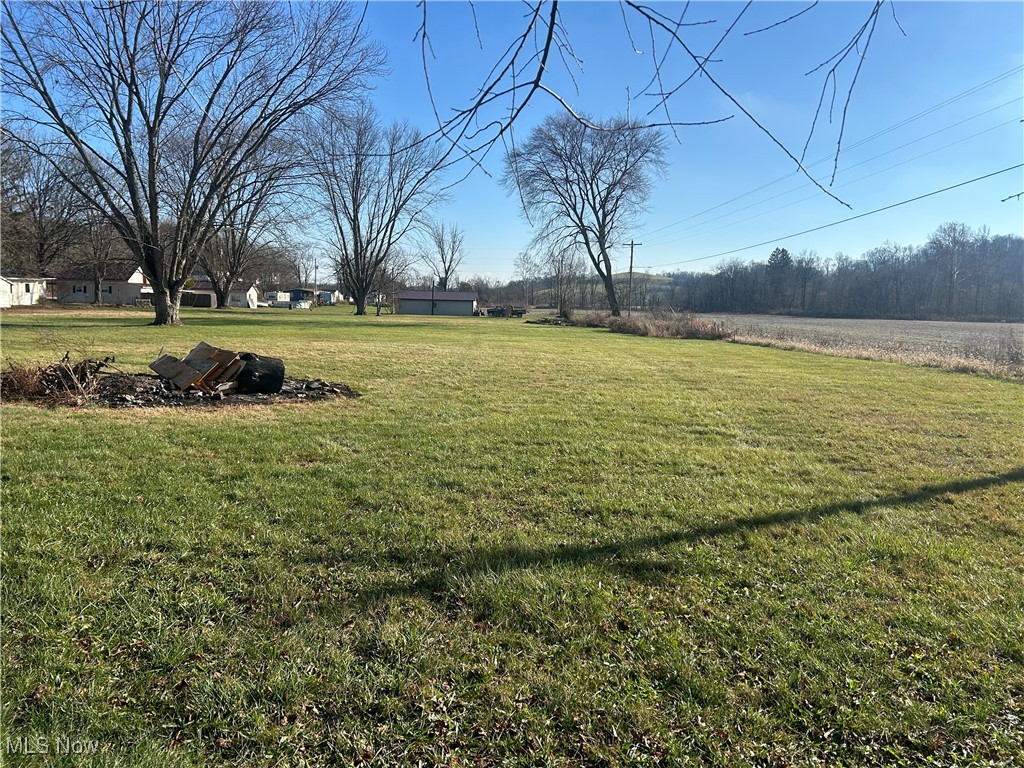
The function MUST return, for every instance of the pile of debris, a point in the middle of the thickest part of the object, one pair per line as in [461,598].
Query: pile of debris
[206,376]
[141,390]
[63,383]
[216,372]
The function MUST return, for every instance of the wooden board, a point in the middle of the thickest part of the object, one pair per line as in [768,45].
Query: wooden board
[183,376]
[202,351]
[230,371]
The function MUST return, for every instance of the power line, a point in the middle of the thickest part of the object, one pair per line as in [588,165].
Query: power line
[839,186]
[797,188]
[952,99]
[841,221]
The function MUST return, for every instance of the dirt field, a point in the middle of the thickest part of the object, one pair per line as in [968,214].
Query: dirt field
[996,348]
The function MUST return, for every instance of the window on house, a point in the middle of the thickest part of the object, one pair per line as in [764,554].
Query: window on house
[108,289]
[28,287]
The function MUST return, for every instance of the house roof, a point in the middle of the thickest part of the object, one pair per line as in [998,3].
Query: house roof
[118,271]
[437,295]
[207,285]
[22,278]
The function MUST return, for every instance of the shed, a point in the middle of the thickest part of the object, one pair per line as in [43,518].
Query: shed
[202,295]
[21,291]
[457,303]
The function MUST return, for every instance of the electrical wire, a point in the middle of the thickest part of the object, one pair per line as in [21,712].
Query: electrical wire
[778,208]
[836,223]
[798,187]
[906,121]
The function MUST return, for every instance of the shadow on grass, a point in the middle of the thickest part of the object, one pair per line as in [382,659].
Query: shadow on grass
[497,560]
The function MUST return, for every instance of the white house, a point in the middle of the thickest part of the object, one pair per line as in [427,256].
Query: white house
[201,294]
[121,284]
[458,303]
[327,297]
[21,291]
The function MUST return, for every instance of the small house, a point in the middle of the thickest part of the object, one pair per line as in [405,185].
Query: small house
[201,294]
[453,303]
[20,291]
[329,298]
[122,283]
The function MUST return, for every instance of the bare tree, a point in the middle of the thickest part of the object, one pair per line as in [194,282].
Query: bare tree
[375,184]
[249,221]
[393,274]
[442,251]
[120,85]
[527,269]
[583,186]
[567,269]
[950,244]
[306,263]
[100,250]
[40,223]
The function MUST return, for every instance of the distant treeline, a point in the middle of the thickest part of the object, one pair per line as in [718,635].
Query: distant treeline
[959,274]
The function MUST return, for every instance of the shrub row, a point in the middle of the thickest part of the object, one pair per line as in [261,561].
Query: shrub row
[662,325]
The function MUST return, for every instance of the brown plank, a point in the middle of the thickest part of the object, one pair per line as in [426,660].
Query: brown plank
[166,366]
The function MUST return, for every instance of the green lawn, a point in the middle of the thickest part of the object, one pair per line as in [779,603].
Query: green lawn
[524,545]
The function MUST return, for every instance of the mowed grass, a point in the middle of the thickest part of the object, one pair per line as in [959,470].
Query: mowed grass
[524,545]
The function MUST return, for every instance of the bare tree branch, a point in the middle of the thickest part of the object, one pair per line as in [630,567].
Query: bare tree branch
[784,21]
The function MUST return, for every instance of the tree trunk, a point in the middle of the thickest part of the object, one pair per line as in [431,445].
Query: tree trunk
[167,303]
[222,289]
[609,289]
[97,284]
[360,303]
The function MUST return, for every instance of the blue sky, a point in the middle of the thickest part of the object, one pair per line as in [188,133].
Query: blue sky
[934,107]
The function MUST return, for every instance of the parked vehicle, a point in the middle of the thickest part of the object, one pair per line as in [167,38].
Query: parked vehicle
[508,311]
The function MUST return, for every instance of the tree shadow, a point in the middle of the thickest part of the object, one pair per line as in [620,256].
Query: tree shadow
[455,566]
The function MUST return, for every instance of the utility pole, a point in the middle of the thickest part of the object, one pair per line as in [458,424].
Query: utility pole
[629,291]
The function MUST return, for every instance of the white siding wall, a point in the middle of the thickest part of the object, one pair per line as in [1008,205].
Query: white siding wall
[21,293]
[111,292]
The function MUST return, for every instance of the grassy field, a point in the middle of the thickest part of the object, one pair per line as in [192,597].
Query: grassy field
[524,545]
[991,348]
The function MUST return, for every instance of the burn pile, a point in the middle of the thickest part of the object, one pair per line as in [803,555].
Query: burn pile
[207,376]
[212,371]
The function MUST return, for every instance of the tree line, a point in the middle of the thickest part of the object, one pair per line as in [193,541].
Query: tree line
[960,273]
